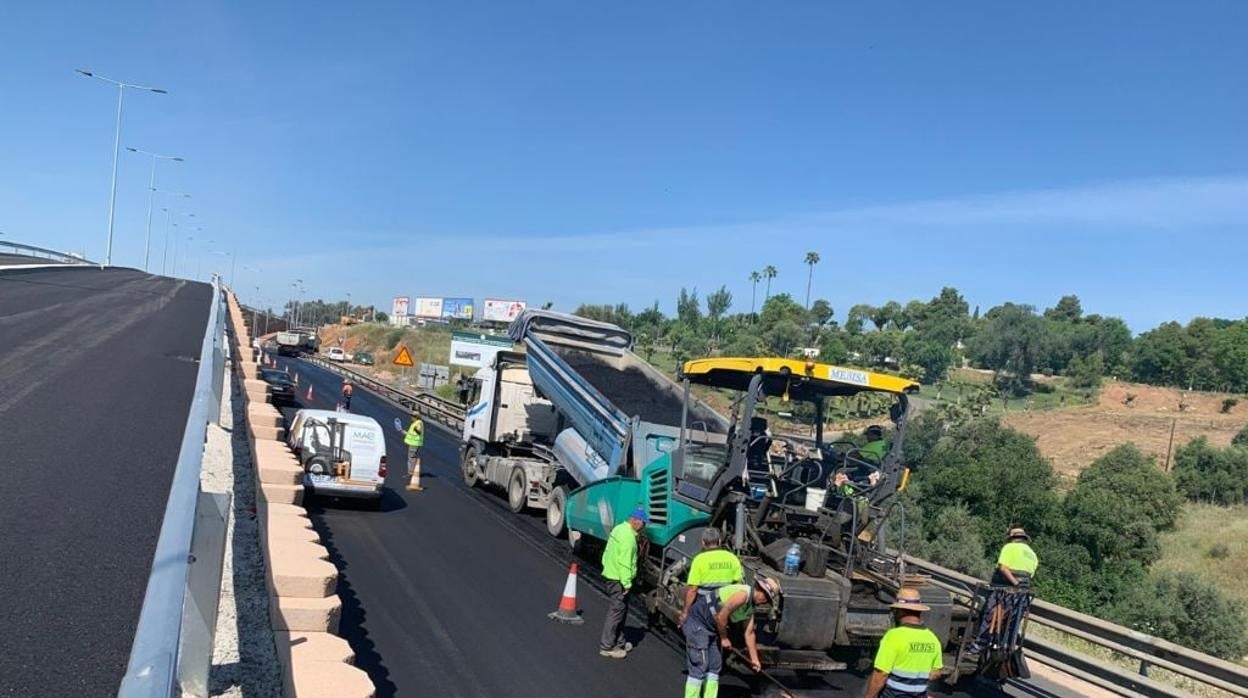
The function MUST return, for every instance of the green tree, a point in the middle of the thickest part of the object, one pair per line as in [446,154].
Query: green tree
[769,273]
[812,258]
[1241,437]
[1205,473]
[1186,609]
[1010,343]
[857,316]
[885,314]
[717,304]
[688,310]
[1119,505]
[755,277]
[1068,309]
[821,312]
[1160,356]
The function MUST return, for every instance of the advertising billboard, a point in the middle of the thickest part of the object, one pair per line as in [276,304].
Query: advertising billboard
[476,349]
[497,310]
[457,308]
[399,305]
[428,308]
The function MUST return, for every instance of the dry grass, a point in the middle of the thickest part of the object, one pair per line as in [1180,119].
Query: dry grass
[1213,542]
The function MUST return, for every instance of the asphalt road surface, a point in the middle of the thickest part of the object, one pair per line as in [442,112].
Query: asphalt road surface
[96,373]
[445,592]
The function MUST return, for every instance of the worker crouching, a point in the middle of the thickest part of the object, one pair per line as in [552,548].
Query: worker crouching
[708,629]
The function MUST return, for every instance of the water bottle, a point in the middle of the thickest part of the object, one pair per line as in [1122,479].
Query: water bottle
[792,560]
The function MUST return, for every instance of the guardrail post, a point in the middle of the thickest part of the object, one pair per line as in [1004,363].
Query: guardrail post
[1144,667]
[203,586]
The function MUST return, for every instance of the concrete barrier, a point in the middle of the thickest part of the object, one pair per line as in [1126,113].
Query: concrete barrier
[304,610]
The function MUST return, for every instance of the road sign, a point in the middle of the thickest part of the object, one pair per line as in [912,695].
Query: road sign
[403,358]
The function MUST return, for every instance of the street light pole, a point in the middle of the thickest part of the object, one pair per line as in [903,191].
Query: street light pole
[112,196]
[151,198]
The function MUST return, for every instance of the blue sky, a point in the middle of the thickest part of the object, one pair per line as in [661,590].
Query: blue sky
[604,152]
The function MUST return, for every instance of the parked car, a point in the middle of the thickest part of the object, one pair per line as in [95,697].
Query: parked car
[335,354]
[342,454]
[362,358]
[281,387]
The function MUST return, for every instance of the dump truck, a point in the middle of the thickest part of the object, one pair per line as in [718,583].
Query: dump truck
[574,407]
[295,342]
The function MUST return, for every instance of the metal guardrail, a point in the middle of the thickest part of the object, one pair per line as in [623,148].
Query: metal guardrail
[430,406]
[172,647]
[1149,651]
[31,250]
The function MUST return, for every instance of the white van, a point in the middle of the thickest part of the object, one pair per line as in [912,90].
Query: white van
[342,454]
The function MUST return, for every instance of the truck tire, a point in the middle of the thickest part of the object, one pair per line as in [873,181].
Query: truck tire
[469,467]
[517,490]
[556,512]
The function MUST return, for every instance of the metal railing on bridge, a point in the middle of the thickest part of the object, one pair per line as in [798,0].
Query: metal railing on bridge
[42,253]
[172,649]
[1150,652]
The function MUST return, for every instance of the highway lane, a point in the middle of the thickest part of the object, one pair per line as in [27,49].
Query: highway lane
[96,373]
[447,591]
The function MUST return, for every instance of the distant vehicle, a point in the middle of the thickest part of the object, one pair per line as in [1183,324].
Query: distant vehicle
[362,358]
[342,454]
[335,354]
[281,386]
[296,342]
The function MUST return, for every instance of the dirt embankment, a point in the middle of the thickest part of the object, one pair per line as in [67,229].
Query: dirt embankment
[1129,412]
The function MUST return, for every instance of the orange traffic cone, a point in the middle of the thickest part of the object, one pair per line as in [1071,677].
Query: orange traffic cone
[566,613]
[308,397]
[413,483]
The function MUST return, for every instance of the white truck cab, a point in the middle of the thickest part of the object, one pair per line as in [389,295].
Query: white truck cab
[508,439]
[342,454]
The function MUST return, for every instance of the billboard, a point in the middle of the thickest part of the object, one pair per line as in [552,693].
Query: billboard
[428,307]
[457,308]
[398,307]
[477,349]
[496,310]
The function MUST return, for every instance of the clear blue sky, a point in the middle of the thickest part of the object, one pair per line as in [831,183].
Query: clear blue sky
[604,152]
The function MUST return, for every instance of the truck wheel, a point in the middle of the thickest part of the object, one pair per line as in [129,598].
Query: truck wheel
[517,490]
[556,521]
[469,467]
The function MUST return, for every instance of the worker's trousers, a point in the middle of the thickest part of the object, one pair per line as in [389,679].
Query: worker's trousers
[704,660]
[413,457]
[617,608]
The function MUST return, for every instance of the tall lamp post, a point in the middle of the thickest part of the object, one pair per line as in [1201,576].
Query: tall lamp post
[112,196]
[151,196]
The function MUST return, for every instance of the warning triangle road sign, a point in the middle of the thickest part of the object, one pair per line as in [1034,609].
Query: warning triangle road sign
[403,358]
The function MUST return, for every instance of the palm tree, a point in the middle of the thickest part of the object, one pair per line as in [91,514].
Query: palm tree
[812,258]
[769,273]
[755,277]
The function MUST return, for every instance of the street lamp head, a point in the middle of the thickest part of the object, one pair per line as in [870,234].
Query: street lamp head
[177,159]
[84,72]
[158,91]
[133,150]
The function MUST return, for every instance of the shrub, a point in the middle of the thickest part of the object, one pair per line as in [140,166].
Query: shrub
[1186,609]
[1205,473]
[1219,551]
[1228,404]
[1241,439]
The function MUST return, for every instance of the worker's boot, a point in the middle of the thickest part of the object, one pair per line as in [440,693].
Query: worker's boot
[693,688]
[711,690]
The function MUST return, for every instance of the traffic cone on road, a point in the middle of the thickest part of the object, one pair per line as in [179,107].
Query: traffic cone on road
[296,377]
[413,483]
[308,397]
[566,613]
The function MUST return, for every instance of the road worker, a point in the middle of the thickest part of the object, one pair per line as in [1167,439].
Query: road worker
[909,657]
[876,447]
[710,626]
[619,568]
[347,389]
[712,568]
[414,438]
[1017,563]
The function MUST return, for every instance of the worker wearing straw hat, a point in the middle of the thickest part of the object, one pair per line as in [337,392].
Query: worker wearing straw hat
[1017,562]
[909,657]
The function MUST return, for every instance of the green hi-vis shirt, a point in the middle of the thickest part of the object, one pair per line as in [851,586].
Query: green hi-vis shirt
[746,609]
[1019,557]
[874,451]
[415,435]
[714,568]
[619,559]
[909,654]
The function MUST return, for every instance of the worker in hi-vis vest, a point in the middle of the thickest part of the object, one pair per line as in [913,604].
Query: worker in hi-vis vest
[414,438]
[1017,563]
[909,657]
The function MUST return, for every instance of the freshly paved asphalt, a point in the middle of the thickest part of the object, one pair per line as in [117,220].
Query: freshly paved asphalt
[96,373]
[445,592]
